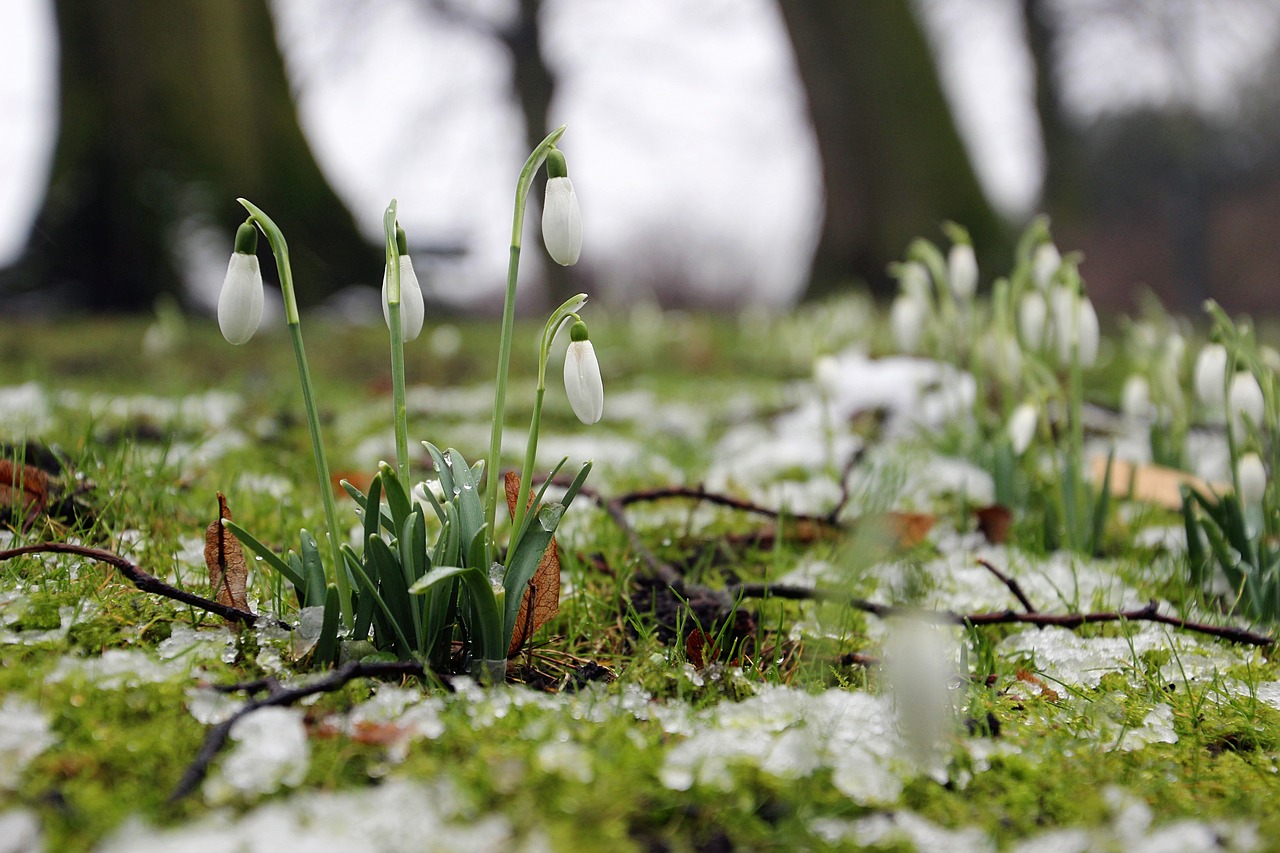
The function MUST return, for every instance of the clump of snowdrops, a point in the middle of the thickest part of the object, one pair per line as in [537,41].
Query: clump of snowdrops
[1028,348]
[1233,534]
[452,603]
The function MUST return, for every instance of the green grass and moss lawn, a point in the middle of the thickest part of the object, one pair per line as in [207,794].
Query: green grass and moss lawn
[732,717]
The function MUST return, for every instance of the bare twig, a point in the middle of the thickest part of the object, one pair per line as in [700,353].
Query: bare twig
[142,580]
[277,696]
[1009,582]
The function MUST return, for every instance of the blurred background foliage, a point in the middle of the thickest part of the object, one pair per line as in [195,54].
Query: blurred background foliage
[167,110]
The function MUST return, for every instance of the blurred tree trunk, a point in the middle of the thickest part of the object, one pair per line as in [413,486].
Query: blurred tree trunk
[893,163]
[1060,193]
[170,109]
[534,85]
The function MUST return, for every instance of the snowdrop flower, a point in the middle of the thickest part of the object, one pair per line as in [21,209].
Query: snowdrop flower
[413,309]
[913,280]
[1251,475]
[1075,326]
[1135,398]
[1002,356]
[582,381]
[561,217]
[826,375]
[1244,399]
[241,301]
[1032,315]
[1022,427]
[1210,376]
[906,319]
[962,271]
[1044,264]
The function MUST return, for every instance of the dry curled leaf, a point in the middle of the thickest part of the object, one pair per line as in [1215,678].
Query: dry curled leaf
[541,599]
[995,522]
[228,572]
[700,649]
[23,489]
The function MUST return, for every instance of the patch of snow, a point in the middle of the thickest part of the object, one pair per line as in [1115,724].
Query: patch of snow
[116,669]
[895,829]
[788,734]
[24,733]
[25,410]
[1156,727]
[1063,656]
[271,751]
[396,817]
[20,832]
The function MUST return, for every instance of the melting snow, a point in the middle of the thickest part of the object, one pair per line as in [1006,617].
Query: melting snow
[24,734]
[270,751]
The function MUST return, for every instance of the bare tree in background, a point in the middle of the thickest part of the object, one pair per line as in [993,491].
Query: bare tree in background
[893,163]
[169,110]
[534,85]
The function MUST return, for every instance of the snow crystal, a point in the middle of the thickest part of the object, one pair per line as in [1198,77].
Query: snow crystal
[271,751]
[1156,727]
[24,734]
[884,830]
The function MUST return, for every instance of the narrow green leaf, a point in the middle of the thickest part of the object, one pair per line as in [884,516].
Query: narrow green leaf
[271,558]
[327,645]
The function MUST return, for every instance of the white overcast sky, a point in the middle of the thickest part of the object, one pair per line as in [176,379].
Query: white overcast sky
[687,142]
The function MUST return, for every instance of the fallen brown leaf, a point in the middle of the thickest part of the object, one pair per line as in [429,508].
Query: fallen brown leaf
[1154,484]
[228,572]
[995,522]
[541,599]
[24,488]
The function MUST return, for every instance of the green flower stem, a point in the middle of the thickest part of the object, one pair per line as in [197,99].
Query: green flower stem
[280,249]
[564,314]
[508,324]
[400,407]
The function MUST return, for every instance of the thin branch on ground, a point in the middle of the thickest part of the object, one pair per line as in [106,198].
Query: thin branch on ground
[1148,613]
[143,580]
[1012,585]
[278,696]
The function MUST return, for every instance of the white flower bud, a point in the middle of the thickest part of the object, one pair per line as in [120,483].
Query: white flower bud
[1032,316]
[241,301]
[1135,398]
[1251,476]
[906,319]
[413,309]
[913,280]
[1075,326]
[582,381]
[562,222]
[826,374]
[1244,399]
[1022,427]
[1211,376]
[1044,264]
[962,271]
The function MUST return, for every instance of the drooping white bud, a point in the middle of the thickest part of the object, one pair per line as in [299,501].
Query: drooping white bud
[562,222]
[241,301]
[1135,398]
[1022,427]
[1251,475]
[1244,400]
[1075,326]
[1044,264]
[1033,314]
[826,374]
[413,309]
[1211,376]
[582,382]
[913,280]
[962,271]
[906,319]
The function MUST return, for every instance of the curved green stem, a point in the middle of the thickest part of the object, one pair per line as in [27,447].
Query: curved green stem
[281,251]
[400,409]
[508,323]
[559,317]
